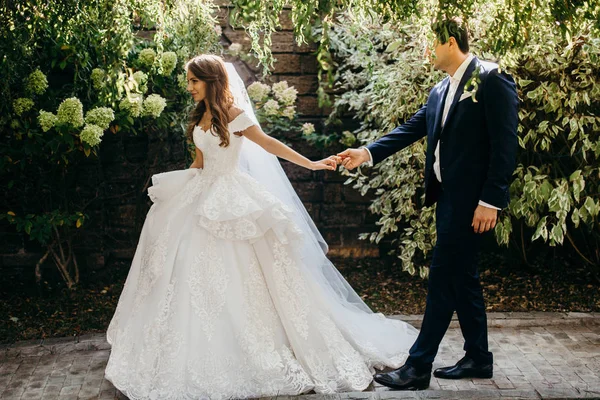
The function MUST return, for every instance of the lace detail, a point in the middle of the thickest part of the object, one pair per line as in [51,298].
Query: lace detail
[239,229]
[227,198]
[208,285]
[222,160]
[291,288]
[152,266]
[191,190]
[160,350]
[350,372]
[160,347]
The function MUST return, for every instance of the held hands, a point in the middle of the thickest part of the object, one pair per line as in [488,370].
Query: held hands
[484,219]
[352,158]
[349,158]
[329,163]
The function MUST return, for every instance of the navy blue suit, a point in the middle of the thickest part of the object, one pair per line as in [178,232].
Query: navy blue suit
[478,145]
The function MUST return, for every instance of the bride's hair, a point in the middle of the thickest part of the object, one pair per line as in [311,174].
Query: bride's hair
[211,70]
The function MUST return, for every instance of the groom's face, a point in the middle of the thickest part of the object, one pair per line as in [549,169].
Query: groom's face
[441,54]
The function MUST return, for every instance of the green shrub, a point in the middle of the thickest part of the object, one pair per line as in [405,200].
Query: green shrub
[382,79]
[72,72]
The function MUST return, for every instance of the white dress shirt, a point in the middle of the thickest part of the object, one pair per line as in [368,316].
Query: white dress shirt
[454,82]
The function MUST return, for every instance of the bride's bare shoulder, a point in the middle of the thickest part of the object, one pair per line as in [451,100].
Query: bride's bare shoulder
[234,112]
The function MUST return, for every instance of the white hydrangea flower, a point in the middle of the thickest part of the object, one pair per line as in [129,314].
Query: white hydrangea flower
[70,112]
[92,135]
[287,96]
[168,61]
[308,128]
[100,116]
[147,57]
[141,78]
[182,81]
[36,83]
[271,107]
[47,120]
[235,49]
[154,105]
[279,87]
[258,91]
[98,78]
[132,104]
[22,105]
[289,112]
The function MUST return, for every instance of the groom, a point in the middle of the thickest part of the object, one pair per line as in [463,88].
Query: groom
[471,149]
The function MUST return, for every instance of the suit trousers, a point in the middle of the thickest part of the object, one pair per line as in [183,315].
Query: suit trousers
[453,286]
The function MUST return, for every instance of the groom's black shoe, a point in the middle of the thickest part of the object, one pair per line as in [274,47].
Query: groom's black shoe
[406,377]
[465,368]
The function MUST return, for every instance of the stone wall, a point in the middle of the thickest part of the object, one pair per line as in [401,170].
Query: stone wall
[126,162]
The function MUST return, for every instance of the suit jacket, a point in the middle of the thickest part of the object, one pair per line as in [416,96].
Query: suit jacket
[478,142]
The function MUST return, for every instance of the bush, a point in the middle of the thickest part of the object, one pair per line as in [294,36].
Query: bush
[73,72]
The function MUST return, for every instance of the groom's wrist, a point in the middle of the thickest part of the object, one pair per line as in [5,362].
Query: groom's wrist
[367,158]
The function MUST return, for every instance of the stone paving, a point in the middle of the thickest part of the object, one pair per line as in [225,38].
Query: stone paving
[537,356]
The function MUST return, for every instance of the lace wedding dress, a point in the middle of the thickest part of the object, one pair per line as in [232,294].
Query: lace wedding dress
[220,302]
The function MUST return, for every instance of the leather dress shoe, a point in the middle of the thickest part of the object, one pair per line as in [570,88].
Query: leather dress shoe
[465,368]
[406,377]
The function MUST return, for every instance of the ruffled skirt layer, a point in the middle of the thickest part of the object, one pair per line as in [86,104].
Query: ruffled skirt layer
[218,303]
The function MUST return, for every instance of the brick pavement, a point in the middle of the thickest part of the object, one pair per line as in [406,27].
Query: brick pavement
[537,355]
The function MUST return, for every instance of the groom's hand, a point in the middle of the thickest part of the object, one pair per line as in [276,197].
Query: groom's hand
[484,219]
[352,158]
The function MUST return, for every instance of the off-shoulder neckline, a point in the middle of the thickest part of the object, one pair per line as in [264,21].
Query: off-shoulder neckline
[228,124]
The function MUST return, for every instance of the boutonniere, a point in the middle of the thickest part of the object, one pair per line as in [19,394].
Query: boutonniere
[472,84]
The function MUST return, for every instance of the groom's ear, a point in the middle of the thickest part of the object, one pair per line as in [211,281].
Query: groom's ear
[452,42]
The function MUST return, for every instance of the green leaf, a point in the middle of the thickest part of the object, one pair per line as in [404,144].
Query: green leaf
[591,207]
[541,231]
[557,235]
[575,217]
[394,46]
[524,82]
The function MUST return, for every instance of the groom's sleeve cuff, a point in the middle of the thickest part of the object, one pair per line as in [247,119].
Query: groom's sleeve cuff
[483,203]
[368,163]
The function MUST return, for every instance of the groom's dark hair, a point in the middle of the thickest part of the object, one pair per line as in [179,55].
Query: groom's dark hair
[452,27]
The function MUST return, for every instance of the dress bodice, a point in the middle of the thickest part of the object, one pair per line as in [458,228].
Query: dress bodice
[218,159]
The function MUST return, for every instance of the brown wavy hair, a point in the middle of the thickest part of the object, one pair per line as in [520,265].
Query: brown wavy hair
[211,69]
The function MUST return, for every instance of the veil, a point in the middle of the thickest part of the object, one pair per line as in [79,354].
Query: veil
[264,166]
[266,169]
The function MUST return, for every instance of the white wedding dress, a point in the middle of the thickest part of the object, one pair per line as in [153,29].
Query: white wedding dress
[220,301]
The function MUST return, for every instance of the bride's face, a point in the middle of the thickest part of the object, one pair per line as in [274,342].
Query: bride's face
[196,87]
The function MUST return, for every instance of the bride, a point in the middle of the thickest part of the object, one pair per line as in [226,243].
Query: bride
[230,293]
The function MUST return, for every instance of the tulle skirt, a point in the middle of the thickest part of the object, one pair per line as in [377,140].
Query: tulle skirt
[220,302]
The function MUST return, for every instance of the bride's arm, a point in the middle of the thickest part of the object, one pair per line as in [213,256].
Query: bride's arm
[280,150]
[199,160]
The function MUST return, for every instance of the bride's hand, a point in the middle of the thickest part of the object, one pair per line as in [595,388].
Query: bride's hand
[329,163]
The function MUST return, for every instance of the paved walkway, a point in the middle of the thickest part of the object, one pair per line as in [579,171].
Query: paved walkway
[537,355]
